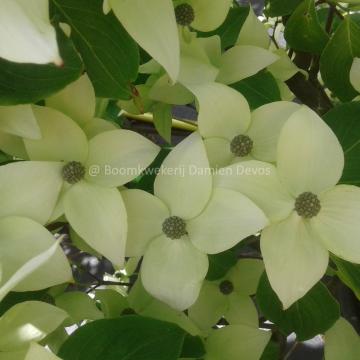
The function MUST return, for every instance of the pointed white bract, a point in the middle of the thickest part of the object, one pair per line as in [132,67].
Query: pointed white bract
[98,215]
[77,100]
[209,14]
[30,257]
[156,32]
[355,74]
[27,322]
[242,61]
[342,342]
[253,32]
[19,120]
[236,341]
[26,35]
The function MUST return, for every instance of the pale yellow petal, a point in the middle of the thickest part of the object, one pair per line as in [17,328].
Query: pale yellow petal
[338,223]
[173,271]
[242,61]
[310,157]
[57,129]
[26,35]
[228,218]
[19,120]
[77,100]
[98,215]
[146,213]
[156,32]
[185,182]
[295,260]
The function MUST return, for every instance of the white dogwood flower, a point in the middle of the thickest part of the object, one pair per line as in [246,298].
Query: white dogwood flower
[229,297]
[310,215]
[87,171]
[234,134]
[26,35]
[184,221]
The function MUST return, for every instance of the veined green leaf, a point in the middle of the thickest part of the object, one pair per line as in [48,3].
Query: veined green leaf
[27,83]
[110,55]
[126,338]
[344,121]
[337,58]
[303,31]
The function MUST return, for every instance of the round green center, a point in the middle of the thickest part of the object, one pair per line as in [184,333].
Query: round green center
[73,172]
[241,145]
[226,287]
[174,227]
[184,14]
[307,205]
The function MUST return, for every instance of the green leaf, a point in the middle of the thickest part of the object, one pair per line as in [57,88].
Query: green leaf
[259,89]
[110,55]
[313,314]
[344,121]
[337,58]
[79,306]
[112,303]
[220,264]
[312,37]
[275,8]
[193,347]
[272,351]
[348,273]
[230,28]
[126,338]
[27,83]
[163,120]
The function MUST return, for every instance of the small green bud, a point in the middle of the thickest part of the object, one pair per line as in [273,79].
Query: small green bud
[174,227]
[73,172]
[241,145]
[307,205]
[184,14]
[226,287]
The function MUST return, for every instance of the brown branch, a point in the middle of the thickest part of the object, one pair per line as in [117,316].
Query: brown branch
[330,18]
[309,91]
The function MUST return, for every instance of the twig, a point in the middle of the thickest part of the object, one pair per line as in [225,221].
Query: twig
[272,37]
[104,282]
[178,124]
[291,351]
[330,18]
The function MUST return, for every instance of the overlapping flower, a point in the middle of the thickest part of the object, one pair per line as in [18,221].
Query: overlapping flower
[273,171]
[185,220]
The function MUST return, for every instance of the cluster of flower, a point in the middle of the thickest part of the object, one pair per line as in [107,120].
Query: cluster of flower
[282,164]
